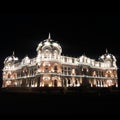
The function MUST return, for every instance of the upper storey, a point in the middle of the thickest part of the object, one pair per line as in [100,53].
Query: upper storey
[49,50]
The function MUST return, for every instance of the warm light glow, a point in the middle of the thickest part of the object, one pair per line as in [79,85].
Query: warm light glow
[39,70]
[15,83]
[46,78]
[8,83]
[46,64]
[94,73]
[50,85]
[50,68]
[73,71]
[109,82]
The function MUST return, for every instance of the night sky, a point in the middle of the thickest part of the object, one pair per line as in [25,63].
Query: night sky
[78,33]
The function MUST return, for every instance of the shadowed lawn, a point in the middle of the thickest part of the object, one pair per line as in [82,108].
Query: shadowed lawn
[56,100]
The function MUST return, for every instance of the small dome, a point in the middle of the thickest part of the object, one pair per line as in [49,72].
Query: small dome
[26,60]
[49,44]
[107,56]
[11,59]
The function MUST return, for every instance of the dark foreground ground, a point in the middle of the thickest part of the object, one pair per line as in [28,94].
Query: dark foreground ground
[60,101]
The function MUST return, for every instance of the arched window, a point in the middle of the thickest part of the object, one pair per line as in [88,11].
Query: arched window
[94,73]
[46,53]
[55,54]
[69,81]
[46,68]
[55,83]
[76,82]
[8,75]
[55,68]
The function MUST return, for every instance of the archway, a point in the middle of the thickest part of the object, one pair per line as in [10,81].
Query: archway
[55,83]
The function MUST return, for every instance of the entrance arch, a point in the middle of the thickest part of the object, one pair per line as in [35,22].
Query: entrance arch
[55,83]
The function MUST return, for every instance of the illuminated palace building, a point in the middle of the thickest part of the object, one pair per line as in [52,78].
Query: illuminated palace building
[51,69]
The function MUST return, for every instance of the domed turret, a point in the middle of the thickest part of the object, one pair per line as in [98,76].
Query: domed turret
[107,56]
[109,59]
[49,48]
[11,59]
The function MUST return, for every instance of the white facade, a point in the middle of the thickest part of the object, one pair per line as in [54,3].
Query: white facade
[50,68]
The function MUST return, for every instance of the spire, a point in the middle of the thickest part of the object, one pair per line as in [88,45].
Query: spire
[106,51]
[13,53]
[49,36]
[84,54]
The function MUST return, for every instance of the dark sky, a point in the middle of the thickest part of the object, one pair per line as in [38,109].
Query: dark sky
[78,33]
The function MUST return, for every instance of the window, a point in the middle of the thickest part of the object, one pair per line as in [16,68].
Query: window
[46,69]
[55,54]
[55,68]
[47,54]
[73,60]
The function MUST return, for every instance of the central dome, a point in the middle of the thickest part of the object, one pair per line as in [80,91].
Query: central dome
[50,46]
